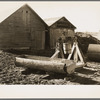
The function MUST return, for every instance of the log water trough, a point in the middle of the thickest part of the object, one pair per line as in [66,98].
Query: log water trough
[53,64]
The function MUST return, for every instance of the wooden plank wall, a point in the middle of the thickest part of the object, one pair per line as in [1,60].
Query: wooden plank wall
[56,31]
[22,29]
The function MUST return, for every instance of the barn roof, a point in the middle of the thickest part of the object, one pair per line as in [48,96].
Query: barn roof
[36,14]
[51,21]
[26,5]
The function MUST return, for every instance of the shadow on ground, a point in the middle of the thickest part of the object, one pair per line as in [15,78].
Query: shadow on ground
[86,71]
[75,78]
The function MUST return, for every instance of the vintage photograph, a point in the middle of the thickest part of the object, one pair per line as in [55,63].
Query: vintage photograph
[50,43]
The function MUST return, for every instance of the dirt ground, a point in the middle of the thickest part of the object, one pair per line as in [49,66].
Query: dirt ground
[12,74]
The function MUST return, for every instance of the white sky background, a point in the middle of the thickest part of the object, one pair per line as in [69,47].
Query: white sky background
[84,15]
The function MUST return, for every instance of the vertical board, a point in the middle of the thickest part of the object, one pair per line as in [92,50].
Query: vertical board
[42,40]
[51,38]
[38,40]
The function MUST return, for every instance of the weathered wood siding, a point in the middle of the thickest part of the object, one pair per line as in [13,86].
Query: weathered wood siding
[22,29]
[57,29]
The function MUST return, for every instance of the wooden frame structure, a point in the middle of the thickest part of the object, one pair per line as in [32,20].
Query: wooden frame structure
[77,55]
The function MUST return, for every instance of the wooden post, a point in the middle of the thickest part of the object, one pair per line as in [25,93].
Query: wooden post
[75,55]
[70,55]
[79,54]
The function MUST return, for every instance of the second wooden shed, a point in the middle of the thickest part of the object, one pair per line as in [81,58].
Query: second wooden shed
[56,27]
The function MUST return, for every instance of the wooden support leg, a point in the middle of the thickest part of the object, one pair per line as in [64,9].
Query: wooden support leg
[75,56]
[70,55]
[79,54]
[55,55]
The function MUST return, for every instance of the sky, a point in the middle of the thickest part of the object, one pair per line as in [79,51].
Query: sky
[85,15]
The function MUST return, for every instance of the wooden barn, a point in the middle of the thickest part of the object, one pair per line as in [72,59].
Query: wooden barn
[57,26]
[23,29]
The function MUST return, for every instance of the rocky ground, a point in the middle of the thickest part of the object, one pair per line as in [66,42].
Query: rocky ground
[12,74]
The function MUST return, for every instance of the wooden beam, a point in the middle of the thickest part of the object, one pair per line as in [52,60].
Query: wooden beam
[75,55]
[79,54]
[55,55]
[70,55]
